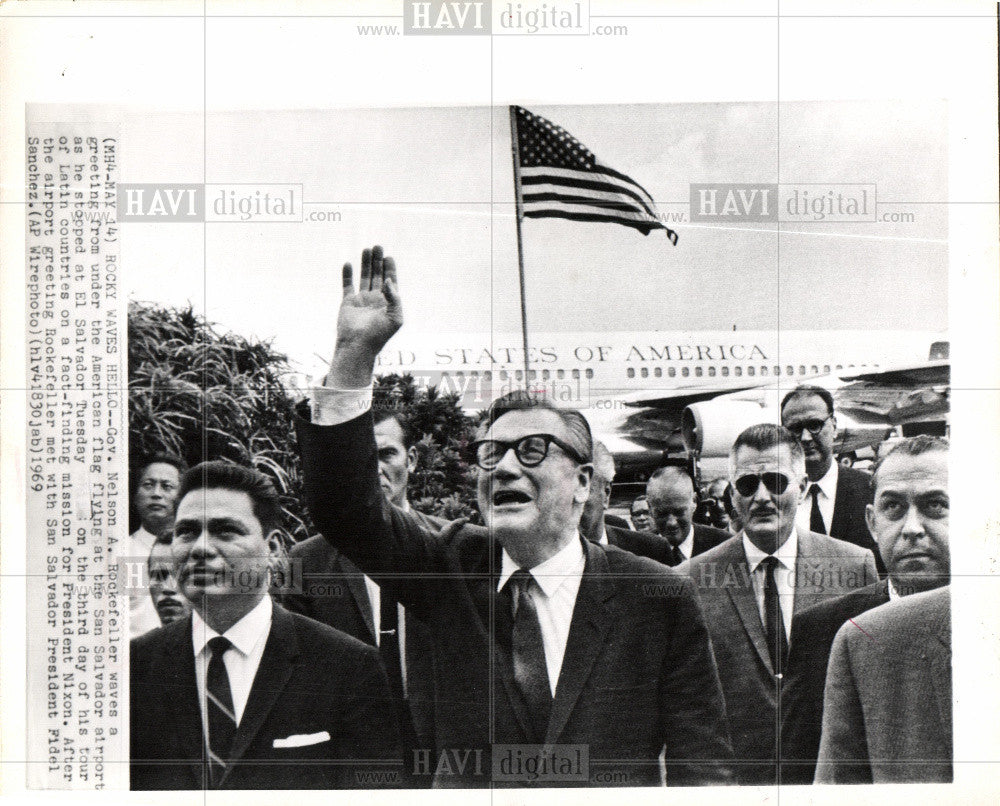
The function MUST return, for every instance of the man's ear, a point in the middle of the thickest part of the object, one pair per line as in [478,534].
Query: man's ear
[870,518]
[585,478]
[411,458]
[607,494]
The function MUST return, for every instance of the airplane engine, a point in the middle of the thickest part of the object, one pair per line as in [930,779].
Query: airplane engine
[710,428]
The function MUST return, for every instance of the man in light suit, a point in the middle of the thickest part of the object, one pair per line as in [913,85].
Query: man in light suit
[336,593]
[540,636]
[242,694]
[887,708]
[594,523]
[836,497]
[751,585]
[909,519]
[672,502]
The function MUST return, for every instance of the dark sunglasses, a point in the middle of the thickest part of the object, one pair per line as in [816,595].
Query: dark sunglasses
[530,450]
[774,483]
[812,426]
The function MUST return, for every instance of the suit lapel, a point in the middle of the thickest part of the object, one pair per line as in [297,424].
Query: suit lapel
[355,582]
[588,628]
[177,668]
[276,666]
[739,585]
[938,654]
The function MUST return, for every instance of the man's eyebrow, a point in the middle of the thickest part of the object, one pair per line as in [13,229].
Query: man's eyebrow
[231,524]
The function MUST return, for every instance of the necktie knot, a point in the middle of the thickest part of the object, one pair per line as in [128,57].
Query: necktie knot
[770,562]
[219,645]
[814,491]
[520,584]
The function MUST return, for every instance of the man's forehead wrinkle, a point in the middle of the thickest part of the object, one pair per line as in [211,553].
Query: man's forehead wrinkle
[520,423]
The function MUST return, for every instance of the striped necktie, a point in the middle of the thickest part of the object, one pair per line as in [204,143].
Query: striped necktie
[221,715]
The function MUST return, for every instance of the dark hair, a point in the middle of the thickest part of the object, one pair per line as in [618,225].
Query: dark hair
[382,413]
[807,390]
[764,436]
[636,501]
[522,400]
[226,476]
[911,446]
[159,458]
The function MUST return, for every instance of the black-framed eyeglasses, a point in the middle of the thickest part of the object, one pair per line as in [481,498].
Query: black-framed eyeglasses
[530,450]
[774,483]
[813,426]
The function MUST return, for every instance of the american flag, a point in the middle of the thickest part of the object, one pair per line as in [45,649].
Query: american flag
[561,178]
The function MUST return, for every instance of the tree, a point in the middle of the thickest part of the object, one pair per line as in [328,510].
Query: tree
[203,395]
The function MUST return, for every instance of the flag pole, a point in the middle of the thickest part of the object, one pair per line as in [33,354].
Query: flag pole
[519,214]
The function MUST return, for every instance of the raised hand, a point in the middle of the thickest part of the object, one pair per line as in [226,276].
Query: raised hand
[367,320]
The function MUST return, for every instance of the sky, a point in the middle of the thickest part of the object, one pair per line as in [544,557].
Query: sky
[434,186]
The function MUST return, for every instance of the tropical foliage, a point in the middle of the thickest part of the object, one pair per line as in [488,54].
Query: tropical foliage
[204,395]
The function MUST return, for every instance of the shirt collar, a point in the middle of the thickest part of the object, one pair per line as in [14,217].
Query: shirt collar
[551,574]
[245,634]
[785,554]
[688,543]
[828,484]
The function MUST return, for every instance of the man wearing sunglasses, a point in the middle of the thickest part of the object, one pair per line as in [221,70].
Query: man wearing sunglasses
[837,496]
[540,637]
[751,585]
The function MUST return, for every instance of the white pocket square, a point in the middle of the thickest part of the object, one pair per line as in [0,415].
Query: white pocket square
[303,739]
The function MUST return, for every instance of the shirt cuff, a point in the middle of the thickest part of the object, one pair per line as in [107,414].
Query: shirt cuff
[336,406]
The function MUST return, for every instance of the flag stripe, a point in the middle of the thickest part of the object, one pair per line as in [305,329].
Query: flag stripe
[644,226]
[538,210]
[581,179]
[595,190]
[559,201]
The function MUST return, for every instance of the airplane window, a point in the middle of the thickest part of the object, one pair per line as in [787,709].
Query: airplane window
[560,374]
[685,371]
[711,372]
[850,366]
[725,372]
[545,374]
[519,375]
[576,373]
[487,375]
[777,370]
[644,372]
[658,372]
[840,366]
[532,374]
[738,371]
[751,371]
[789,370]
[590,373]
[802,370]
[630,372]
[672,372]
[503,375]
[826,368]
[763,370]
[698,371]
[814,369]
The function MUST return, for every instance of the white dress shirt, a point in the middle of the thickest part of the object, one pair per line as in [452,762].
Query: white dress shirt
[142,615]
[687,545]
[249,637]
[827,495]
[784,576]
[558,581]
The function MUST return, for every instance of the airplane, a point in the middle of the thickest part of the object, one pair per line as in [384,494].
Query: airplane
[648,393]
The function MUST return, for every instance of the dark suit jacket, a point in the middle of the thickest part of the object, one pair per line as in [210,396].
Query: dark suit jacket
[638,673]
[824,567]
[854,493]
[616,521]
[888,695]
[642,544]
[813,631]
[311,679]
[334,593]
[708,537]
